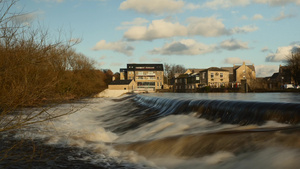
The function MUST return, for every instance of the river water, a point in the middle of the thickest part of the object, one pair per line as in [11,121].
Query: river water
[172,130]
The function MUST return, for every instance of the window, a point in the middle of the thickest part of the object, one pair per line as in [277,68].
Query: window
[212,75]
[221,75]
[140,73]
[157,78]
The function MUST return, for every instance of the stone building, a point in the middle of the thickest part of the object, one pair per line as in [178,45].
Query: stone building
[128,85]
[148,77]
[214,77]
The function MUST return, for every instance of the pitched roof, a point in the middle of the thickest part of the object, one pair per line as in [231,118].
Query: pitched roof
[214,69]
[230,69]
[194,70]
[250,66]
[120,82]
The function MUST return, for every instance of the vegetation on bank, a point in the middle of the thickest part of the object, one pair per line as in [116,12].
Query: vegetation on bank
[36,69]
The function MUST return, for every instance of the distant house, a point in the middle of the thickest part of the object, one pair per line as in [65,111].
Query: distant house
[214,77]
[277,80]
[129,85]
[191,71]
[243,72]
[123,74]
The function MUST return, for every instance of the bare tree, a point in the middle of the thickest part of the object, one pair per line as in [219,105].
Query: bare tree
[293,63]
[171,69]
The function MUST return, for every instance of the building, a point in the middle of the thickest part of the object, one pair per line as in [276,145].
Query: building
[191,71]
[214,77]
[148,77]
[283,76]
[243,72]
[123,74]
[128,85]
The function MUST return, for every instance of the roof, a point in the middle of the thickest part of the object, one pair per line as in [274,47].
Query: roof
[194,70]
[145,67]
[250,66]
[230,69]
[214,69]
[121,82]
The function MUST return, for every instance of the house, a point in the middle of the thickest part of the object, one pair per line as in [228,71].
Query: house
[128,85]
[214,77]
[283,76]
[191,71]
[148,77]
[243,72]
[123,74]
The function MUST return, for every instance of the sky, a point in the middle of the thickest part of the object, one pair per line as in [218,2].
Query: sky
[195,34]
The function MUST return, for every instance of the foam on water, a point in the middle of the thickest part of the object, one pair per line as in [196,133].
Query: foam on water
[275,158]
[87,129]
[172,125]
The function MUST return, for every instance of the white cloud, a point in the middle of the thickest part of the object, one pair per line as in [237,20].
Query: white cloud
[244,29]
[156,30]
[153,6]
[266,70]
[282,53]
[207,27]
[277,2]
[257,17]
[26,19]
[135,22]
[282,16]
[121,47]
[191,6]
[233,44]
[184,47]
[217,4]
[236,60]
[265,49]
[244,17]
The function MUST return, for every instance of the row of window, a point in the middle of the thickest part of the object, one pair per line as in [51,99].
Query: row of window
[148,84]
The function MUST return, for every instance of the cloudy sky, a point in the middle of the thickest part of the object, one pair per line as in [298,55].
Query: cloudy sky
[195,34]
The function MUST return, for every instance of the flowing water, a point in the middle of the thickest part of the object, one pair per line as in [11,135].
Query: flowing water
[253,130]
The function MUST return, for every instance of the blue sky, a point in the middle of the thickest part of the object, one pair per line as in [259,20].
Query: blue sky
[195,34]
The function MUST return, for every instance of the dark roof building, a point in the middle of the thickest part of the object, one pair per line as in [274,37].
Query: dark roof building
[145,67]
[120,82]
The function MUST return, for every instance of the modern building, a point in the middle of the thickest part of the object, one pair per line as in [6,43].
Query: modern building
[214,77]
[148,77]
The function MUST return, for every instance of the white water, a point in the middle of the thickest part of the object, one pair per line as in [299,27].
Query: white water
[85,129]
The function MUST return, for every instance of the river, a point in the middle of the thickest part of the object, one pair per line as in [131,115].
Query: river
[174,130]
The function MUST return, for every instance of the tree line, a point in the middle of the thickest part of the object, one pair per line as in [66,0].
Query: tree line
[35,69]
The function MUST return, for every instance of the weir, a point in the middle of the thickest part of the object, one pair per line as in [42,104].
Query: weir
[224,111]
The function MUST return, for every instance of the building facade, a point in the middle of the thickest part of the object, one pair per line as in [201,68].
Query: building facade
[148,77]
[123,74]
[243,72]
[127,85]
[214,77]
